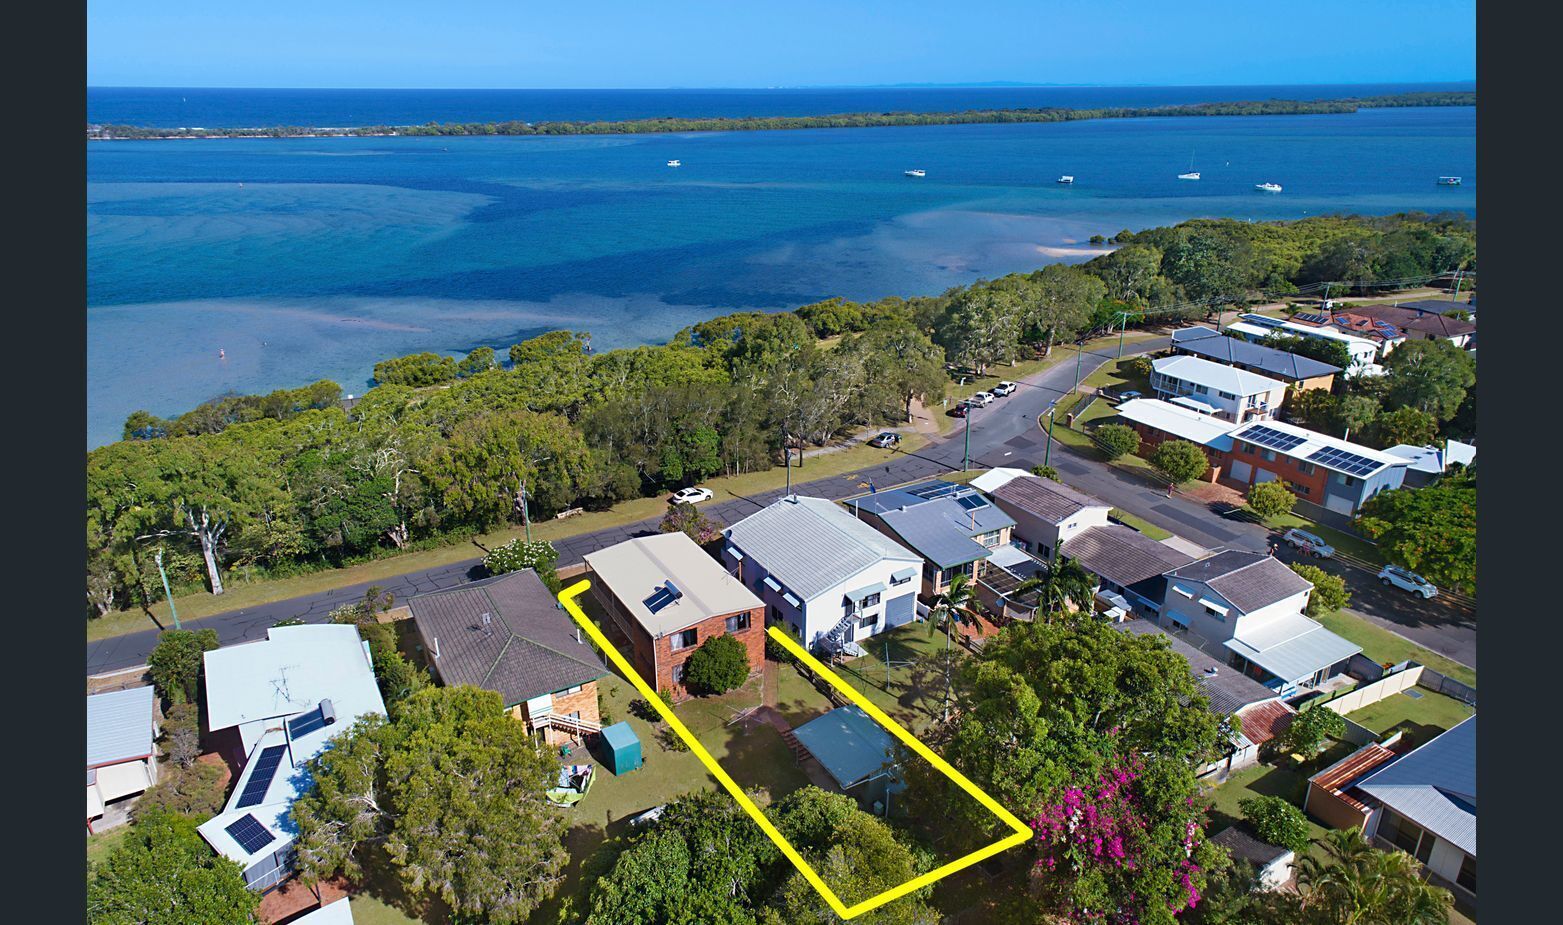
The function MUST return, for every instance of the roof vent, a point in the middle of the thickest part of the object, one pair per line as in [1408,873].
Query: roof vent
[487,618]
[327,713]
[1212,671]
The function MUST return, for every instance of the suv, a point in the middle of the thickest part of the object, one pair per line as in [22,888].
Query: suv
[981,398]
[1303,541]
[1004,388]
[1407,580]
[887,439]
[690,496]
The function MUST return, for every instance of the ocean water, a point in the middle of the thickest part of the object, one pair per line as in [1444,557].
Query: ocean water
[310,258]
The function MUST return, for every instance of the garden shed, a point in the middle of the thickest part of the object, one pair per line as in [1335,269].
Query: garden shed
[622,748]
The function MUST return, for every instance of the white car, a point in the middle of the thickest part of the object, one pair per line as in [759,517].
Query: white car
[1407,580]
[1303,541]
[1004,388]
[981,398]
[690,496]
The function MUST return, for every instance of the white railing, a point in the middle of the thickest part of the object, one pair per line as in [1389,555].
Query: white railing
[571,724]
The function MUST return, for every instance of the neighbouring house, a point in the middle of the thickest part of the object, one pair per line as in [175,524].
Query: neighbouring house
[508,634]
[1422,802]
[337,913]
[1226,392]
[953,527]
[1046,513]
[121,756]
[1298,372]
[1127,563]
[831,578]
[1327,471]
[1252,604]
[666,596]
[1259,711]
[279,702]
[1272,863]
[1365,353]
[1426,463]
[1424,319]
[857,753]
[1347,321]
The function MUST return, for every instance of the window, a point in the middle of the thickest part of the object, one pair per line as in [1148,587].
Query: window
[1406,835]
[1202,390]
[776,613]
[678,673]
[1267,455]
[1246,448]
[569,690]
[1467,875]
[684,639]
[738,622]
[901,578]
[989,540]
[868,622]
[871,600]
[1345,479]
[1227,395]
[1302,488]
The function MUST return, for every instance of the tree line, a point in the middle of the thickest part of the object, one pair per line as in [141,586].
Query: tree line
[1271,107]
[440,448]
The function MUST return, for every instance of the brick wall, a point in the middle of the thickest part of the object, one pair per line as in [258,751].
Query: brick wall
[753,639]
[583,701]
[1282,465]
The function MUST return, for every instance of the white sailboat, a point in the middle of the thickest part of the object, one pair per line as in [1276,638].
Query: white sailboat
[675,163]
[916,172]
[1192,173]
[1268,187]
[1065,179]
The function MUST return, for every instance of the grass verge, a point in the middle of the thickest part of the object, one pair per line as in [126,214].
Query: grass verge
[1381,645]
[1140,524]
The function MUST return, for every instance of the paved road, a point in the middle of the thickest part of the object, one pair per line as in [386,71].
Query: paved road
[1003,434]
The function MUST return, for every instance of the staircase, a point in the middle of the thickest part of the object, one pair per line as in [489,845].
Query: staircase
[570,724]
[798,751]
[836,640]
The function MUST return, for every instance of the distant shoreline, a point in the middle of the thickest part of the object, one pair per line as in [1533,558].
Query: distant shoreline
[112,132]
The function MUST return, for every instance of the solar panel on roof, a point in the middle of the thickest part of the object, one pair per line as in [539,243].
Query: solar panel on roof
[250,834]
[1343,461]
[663,596]
[260,779]
[937,490]
[972,502]
[1312,317]
[1270,437]
[305,723]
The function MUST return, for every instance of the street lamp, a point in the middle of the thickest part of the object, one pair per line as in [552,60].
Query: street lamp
[1047,454]
[166,592]
[966,463]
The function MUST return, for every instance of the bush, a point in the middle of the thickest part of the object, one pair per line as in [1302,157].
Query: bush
[196,792]
[537,555]
[776,652]
[1137,367]
[175,663]
[1309,731]
[1179,460]
[1046,472]
[1329,591]
[687,519]
[418,369]
[1117,440]
[182,734]
[719,665]
[1269,500]
[1277,822]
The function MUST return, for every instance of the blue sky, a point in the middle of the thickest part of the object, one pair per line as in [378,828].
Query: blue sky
[766,43]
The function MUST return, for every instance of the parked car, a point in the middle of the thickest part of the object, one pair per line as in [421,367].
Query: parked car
[690,496]
[1004,388]
[960,409]
[1130,395]
[887,439]
[1407,580]
[981,398]
[1303,541]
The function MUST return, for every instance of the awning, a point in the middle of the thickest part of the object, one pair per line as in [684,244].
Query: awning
[877,587]
[733,551]
[1189,401]
[1293,648]
[1212,605]
[906,574]
[772,583]
[540,706]
[792,600]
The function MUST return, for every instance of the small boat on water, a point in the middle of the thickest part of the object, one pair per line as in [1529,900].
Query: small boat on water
[916,172]
[1268,187]
[1065,179]
[675,163]
[1191,175]
[1448,181]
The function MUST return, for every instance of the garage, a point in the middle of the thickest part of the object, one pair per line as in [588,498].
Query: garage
[1239,471]
[1264,475]
[1338,504]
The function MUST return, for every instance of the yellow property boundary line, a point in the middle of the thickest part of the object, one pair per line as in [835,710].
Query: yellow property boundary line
[1022,832]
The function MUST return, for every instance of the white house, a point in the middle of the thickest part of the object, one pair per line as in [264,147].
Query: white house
[285,698]
[1227,392]
[831,578]
[1365,353]
[1272,864]
[1252,605]
[121,759]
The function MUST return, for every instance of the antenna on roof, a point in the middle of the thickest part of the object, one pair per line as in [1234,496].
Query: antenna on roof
[436,647]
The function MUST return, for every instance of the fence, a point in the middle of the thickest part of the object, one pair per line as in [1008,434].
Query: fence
[1448,686]
[1364,694]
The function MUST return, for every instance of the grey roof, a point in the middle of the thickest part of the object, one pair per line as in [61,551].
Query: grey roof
[1214,345]
[1248,580]
[1434,786]
[1052,501]
[1122,555]
[1227,689]
[527,649]
[811,545]
[1291,646]
[931,533]
[1240,844]
[119,726]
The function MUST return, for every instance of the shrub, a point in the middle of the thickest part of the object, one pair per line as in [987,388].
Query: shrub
[775,651]
[1046,472]
[196,792]
[719,665]
[687,519]
[1179,460]
[1329,591]
[418,369]
[1137,367]
[1117,440]
[537,555]
[175,663]
[182,734]
[1277,822]
[1308,732]
[1269,500]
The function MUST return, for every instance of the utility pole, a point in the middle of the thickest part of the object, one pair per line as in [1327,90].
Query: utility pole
[1456,296]
[1079,354]
[526,515]
[787,461]
[166,592]
[966,463]
[1048,453]
[1123,326]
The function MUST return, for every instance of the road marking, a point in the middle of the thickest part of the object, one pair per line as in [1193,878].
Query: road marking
[1022,833]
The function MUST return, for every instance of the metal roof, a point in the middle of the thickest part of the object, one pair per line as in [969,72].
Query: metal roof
[1434,786]
[1248,580]
[527,647]
[848,744]
[1122,555]
[1052,501]
[941,531]
[991,480]
[1434,460]
[338,913]
[1312,445]
[1291,646]
[811,545]
[1338,777]
[119,726]
[1264,721]
[1227,689]
[634,569]
[1214,345]
[1217,376]
[1179,422]
[289,672]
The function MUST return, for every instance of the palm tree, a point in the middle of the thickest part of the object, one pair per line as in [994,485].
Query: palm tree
[1065,581]
[1361,885]
[951,606]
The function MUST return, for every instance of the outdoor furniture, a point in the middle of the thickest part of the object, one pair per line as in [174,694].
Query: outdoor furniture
[574,781]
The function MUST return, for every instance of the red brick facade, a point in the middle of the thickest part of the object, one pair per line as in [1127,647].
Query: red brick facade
[1150,438]
[1309,486]
[655,659]
[582,702]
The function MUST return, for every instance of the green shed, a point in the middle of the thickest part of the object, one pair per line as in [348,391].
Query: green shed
[622,746]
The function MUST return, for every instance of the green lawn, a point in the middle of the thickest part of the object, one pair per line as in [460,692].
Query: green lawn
[911,697]
[369,909]
[99,845]
[1420,718]
[1114,375]
[1382,646]
[1141,524]
[1287,779]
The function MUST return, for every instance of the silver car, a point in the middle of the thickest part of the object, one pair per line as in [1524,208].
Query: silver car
[1407,580]
[1303,541]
